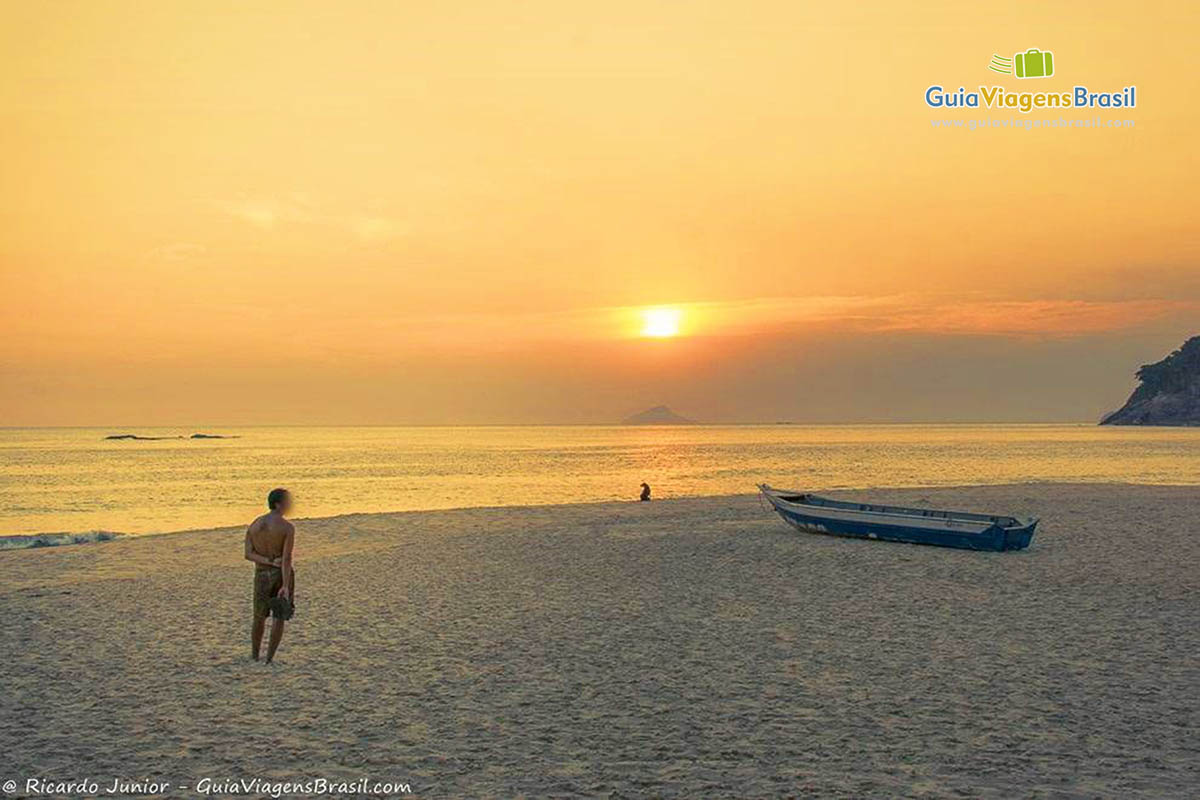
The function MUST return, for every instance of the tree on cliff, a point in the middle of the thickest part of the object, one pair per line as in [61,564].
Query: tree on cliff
[1169,393]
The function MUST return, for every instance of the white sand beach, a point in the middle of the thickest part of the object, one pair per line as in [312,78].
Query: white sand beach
[683,648]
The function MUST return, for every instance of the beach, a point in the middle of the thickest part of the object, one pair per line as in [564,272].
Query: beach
[692,647]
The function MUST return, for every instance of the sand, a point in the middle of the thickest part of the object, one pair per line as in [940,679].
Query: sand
[683,648]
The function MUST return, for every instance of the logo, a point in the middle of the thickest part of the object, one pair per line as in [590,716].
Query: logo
[1033,63]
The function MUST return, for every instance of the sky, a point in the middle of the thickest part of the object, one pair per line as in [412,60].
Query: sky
[458,213]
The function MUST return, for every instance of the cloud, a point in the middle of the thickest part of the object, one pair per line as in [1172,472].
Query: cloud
[372,229]
[771,317]
[1032,317]
[267,212]
[178,252]
[931,314]
[273,213]
[262,215]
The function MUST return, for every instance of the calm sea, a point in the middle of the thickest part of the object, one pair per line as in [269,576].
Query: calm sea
[73,480]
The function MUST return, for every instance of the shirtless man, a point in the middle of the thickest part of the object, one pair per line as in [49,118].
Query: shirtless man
[269,541]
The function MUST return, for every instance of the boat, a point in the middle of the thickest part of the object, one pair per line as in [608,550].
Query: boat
[961,529]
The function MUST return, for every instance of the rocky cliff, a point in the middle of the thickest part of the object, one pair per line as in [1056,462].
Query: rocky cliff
[1169,394]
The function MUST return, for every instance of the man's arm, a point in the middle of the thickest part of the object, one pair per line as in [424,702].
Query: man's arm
[288,540]
[255,557]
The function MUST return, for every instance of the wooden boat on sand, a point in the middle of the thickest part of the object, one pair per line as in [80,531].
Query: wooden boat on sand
[961,529]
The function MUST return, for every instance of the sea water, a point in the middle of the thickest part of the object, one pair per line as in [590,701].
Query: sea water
[74,481]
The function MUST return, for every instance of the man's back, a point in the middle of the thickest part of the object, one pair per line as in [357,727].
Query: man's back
[268,534]
[269,543]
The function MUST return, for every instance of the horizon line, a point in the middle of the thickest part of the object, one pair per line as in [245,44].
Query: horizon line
[694,424]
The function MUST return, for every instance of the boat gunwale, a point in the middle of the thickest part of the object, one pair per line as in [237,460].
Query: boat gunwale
[898,513]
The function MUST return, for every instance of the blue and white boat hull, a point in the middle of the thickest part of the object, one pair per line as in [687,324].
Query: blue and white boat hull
[964,530]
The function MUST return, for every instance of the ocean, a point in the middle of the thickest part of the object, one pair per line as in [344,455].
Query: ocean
[74,481]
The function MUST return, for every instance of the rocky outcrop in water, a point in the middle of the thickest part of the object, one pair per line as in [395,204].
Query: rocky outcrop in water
[133,437]
[136,438]
[1169,394]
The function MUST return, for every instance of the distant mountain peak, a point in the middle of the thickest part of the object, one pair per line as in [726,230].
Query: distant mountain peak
[1169,394]
[659,415]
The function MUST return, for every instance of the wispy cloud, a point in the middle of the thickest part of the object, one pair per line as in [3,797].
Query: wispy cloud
[275,213]
[178,252]
[1032,317]
[268,212]
[932,314]
[895,314]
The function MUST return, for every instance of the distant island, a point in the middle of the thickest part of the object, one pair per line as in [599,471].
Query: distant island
[1169,394]
[659,415]
[135,437]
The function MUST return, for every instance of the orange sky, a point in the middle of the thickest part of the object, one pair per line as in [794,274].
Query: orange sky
[451,212]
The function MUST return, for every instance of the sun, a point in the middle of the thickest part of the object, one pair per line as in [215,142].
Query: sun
[661,323]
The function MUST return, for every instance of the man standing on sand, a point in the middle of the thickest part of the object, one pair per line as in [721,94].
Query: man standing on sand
[269,541]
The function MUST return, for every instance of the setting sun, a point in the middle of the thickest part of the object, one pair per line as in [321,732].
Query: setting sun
[661,323]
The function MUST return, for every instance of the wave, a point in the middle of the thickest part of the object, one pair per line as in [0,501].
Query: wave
[24,542]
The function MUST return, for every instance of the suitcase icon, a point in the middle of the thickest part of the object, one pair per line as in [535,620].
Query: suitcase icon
[1034,63]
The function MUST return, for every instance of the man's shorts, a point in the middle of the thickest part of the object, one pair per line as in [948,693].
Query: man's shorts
[267,581]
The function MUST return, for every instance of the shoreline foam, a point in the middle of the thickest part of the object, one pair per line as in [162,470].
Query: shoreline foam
[34,540]
[64,538]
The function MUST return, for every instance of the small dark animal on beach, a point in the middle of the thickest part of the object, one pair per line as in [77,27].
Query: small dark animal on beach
[645,492]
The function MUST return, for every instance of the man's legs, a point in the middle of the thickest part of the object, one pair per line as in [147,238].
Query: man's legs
[276,635]
[264,587]
[256,634]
